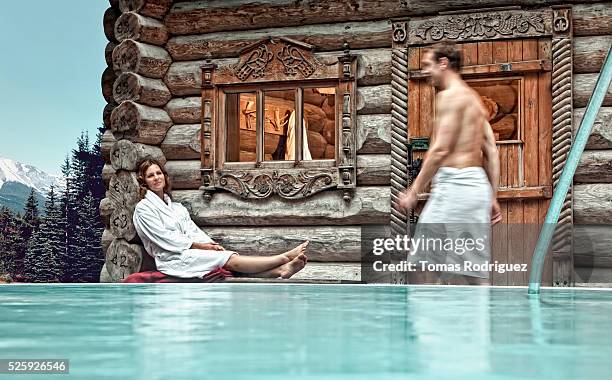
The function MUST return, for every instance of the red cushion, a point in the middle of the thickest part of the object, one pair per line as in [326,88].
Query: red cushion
[216,275]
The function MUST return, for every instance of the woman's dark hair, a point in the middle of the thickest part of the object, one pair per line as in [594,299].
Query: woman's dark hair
[142,171]
[449,51]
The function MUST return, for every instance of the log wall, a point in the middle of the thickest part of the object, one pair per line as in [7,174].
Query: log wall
[593,179]
[135,120]
[153,85]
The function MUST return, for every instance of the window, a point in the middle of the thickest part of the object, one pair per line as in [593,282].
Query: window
[279,122]
[281,126]
[501,97]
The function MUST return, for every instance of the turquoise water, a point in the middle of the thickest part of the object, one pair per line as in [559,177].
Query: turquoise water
[250,331]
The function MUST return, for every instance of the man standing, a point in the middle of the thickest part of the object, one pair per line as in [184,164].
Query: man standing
[463,163]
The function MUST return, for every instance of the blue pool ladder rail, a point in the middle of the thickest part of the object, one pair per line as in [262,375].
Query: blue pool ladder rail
[567,175]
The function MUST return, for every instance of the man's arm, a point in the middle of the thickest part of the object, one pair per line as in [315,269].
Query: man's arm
[491,167]
[491,157]
[446,130]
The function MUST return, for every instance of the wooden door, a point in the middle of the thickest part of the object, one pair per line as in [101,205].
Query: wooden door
[514,80]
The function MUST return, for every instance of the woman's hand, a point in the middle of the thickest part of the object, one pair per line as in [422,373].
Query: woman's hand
[208,246]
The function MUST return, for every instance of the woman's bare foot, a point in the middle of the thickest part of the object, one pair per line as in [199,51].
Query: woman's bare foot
[295,252]
[292,267]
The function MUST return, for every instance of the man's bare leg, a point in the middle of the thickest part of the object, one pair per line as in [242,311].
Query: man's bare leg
[246,264]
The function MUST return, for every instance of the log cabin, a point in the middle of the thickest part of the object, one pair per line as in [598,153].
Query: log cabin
[281,121]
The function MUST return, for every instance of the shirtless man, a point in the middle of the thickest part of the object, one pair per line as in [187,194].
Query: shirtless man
[462,160]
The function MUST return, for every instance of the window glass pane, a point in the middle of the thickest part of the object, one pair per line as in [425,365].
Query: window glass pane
[501,98]
[320,115]
[279,136]
[240,115]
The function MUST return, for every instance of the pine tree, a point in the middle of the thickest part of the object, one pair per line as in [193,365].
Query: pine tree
[68,219]
[46,245]
[89,257]
[83,257]
[96,164]
[29,223]
[8,242]
[97,192]
[80,163]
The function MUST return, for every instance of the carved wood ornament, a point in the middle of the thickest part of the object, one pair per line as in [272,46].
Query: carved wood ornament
[269,64]
[286,185]
[481,26]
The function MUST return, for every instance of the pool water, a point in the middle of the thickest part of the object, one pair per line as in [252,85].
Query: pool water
[253,331]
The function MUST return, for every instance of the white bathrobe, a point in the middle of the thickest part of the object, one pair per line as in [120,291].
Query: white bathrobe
[167,231]
[459,207]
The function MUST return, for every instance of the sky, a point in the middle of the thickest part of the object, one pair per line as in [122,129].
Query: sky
[51,63]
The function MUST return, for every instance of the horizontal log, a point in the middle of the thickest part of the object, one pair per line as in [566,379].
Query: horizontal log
[590,52]
[144,59]
[123,259]
[108,21]
[106,114]
[374,133]
[121,224]
[593,203]
[107,172]
[373,169]
[151,8]
[369,205]
[374,99]
[601,135]
[185,110]
[108,79]
[592,246]
[325,37]
[195,16]
[107,239]
[104,276]
[595,167]
[330,271]
[106,209]
[126,155]
[592,19]
[593,277]
[131,86]
[184,174]
[326,243]
[373,68]
[182,142]
[106,144]
[123,190]
[140,123]
[185,78]
[584,84]
[139,28]
[108,53]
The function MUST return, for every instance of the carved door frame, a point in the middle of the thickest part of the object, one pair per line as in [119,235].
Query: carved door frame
[505,23]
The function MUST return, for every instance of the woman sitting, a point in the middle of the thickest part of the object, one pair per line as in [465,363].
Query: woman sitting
[181,249]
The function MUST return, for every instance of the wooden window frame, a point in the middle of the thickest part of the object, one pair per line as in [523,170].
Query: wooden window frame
[274,64]
[260,162]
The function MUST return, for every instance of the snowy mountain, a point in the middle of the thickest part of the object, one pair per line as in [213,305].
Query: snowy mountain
[17,178]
